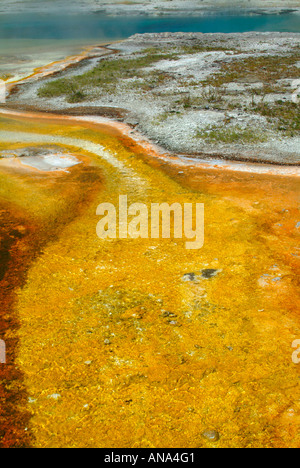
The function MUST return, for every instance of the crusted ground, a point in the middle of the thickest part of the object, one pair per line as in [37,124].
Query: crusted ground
[225,95]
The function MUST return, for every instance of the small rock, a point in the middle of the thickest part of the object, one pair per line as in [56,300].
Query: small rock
[209,273]
[211,435]
[190,277]
[132,122]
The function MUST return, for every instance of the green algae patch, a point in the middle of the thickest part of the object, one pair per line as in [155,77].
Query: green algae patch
[230,135]
[104,76]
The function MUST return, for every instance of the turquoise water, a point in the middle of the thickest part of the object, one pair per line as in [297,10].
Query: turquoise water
[30,40]
[99,27]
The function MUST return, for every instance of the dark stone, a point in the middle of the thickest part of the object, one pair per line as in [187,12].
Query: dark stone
[189,277]
[209,273]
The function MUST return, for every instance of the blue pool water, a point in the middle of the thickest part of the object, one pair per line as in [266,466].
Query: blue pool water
[98,27]
[31,40]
